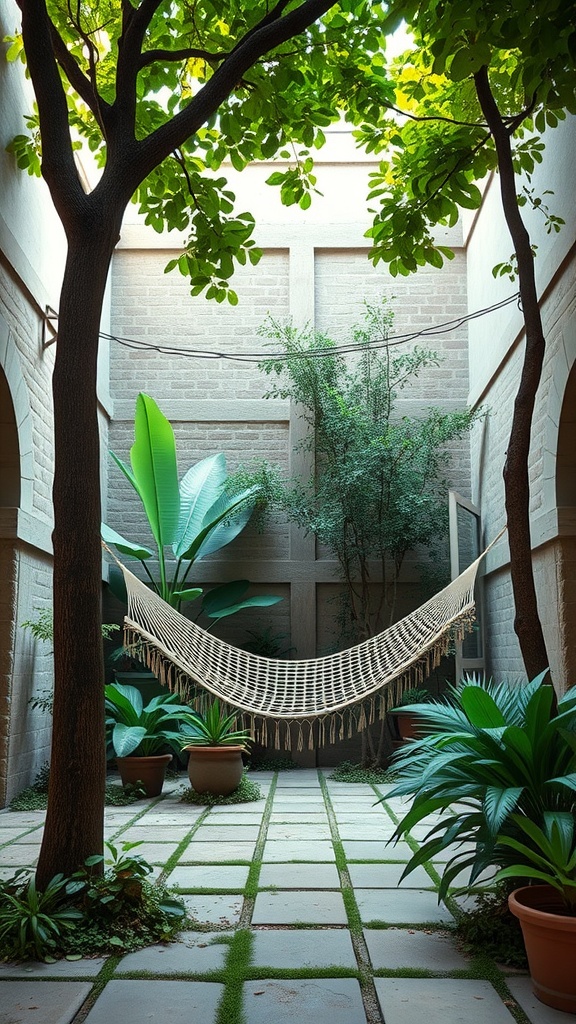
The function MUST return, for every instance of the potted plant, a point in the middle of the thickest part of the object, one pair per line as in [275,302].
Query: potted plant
[196,516]
[215,750]
[138,735]
[497,765]
[546,911]
[407,723]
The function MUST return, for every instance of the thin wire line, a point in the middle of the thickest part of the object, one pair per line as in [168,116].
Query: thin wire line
[312,353]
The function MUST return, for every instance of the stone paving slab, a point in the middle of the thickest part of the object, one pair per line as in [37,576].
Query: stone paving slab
[298,817]
[156,853]
[440,1001]
[308,832]
[299,876]
[396,948]
[194,953]
[156,833]
[539,1013]
[41,1002]
[366,849]
[232,818]
[373,831]
[291,949]
[216,853]
[20,855]
[165,1002]
[31,969]
[238,811]
[282,850]
[225,833]
[12,835]
[209,876]
[401,906]
[333,1000]
[387,876]
[295,907]
[223,911]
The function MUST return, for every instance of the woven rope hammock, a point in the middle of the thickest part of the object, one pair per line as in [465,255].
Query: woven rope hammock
[320,700]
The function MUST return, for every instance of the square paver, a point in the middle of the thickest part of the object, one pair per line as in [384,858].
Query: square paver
[226,833]
[373,831]
[290,949]
[298,817]
[395,948]
[537,1012]
[288,906]
[194,953]
[209,853]
[55,1002]
[156,853]
[401,906]
[299,876]
[31,969]
[20,855]
[177,1002]
[298,831]
[337,1000]
[365,849]
[209,876]
[284,851]
[387,876]
[223,911]
[439,1000]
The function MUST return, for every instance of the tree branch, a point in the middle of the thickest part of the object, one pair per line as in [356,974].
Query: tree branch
[516,476]
[82,85]
[150,56]
[266,36]
[58,165]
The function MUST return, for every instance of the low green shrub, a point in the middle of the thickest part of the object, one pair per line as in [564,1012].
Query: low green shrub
[244,793]
[350,772]
[87,914]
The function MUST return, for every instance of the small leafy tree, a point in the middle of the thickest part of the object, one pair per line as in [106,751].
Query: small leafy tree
[378,489]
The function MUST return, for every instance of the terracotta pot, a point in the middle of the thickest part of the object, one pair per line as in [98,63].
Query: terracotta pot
[407,723]
[550,940]
[215,770]
[150,771]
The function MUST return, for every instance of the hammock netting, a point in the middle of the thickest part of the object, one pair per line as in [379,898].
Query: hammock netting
[293,702]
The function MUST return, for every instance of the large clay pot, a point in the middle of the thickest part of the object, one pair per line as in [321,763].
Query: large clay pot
[408,724]
[150,771]
[215,770]
[550,940]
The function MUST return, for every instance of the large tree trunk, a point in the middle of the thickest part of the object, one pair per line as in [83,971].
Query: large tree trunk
[516,479]
[74,821]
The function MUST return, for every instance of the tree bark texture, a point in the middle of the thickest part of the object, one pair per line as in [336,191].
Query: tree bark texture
[527,623]
[74,820]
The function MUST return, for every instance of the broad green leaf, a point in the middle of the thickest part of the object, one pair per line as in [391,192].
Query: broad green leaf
[126,738]
[125,547]
[200,487]
[153,458]
[481,708]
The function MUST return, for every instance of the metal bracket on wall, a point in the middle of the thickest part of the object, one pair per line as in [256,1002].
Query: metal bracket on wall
[49,327]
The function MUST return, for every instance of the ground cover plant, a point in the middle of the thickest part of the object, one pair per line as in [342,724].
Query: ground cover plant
[35,797]
[87,914]
[245,792]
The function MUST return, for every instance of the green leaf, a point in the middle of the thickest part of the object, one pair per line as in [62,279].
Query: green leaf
[126,547]
[481,708]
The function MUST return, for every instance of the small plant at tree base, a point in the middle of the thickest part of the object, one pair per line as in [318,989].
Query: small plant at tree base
[268,763]
[33,923]
[246,792]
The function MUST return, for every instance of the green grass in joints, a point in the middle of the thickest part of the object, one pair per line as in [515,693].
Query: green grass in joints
[231,1005]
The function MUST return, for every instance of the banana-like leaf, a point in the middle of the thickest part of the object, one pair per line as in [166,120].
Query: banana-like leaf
[200,487]
[233,512]
[127,472]
[258,601]
[126,547]
[153,458]
[187,595]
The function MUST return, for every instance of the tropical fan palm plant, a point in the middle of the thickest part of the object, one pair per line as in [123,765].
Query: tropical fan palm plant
[492,756]
[193,518]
